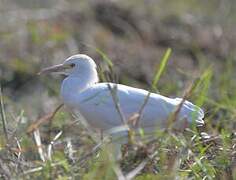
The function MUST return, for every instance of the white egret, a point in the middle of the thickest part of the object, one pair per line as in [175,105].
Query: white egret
[81,91]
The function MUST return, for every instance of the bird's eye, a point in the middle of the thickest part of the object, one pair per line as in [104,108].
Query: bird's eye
[72,65]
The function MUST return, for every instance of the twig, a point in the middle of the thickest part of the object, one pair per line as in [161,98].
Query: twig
[116,167]
[37,139]
[140,113]
[43,119]
[113,91]
[94,150]
[140,167]
[187,93]
[51,144]
[3,115]
[118,172]
[19,147]
[33,170]
[40,168]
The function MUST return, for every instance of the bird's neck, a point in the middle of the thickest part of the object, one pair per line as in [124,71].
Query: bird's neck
[77,83]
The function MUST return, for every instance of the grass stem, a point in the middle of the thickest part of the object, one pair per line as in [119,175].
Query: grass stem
[3,115]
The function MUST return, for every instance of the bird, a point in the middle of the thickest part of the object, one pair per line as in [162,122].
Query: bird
[82,92]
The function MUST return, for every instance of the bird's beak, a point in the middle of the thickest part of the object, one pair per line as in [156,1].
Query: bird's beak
[55,68]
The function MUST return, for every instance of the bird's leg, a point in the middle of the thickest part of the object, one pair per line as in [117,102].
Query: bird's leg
[118,139]
[116,148]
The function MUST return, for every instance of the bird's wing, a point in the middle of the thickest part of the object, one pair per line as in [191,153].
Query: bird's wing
[98,107]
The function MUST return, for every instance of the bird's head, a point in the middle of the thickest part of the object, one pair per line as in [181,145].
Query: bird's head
[72,66]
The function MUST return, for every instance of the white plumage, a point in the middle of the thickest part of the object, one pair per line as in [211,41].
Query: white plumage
[81,91]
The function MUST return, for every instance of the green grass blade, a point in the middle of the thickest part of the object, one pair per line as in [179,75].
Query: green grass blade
[104,57]
[203,86]
[161,69]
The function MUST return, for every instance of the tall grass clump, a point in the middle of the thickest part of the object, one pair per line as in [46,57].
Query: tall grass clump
[56,148]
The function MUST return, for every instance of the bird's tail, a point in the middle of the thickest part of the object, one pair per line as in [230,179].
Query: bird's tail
[194,113]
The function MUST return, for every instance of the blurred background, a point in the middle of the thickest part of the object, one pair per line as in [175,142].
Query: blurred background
[134,34]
